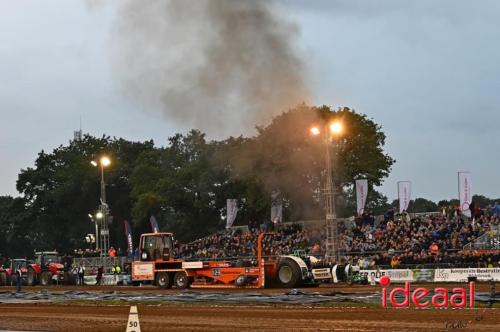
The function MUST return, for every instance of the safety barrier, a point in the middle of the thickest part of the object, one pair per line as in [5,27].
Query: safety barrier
[92,263]
[108,279]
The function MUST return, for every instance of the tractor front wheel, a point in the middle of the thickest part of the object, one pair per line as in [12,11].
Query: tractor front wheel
[45,278]
[163,280]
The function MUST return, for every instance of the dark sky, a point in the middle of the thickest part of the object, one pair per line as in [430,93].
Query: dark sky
[427,71]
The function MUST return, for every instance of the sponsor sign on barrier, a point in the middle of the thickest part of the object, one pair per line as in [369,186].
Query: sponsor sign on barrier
[108,279]
[143,271]
[461,275]
[423,275]
[395,275]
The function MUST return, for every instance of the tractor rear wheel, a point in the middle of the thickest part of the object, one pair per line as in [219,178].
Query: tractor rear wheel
[163,280]
[3,279]
[45,278]
[31,279]
[181,280]
[289,274]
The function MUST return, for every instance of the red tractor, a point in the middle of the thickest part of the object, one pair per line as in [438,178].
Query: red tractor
[46,269]
[8,272]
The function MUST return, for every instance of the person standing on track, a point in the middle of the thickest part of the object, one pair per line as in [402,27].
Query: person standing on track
[19,275]
[81,274]
[100,271]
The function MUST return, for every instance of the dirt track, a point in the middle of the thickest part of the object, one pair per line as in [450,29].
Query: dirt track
[105,316]
[239,318]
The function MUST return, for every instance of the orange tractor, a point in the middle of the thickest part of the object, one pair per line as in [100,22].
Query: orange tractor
[157,264]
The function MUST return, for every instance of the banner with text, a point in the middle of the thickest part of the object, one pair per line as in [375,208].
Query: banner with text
[276,207]
[395,275]
[465,192]
[128,236]
[361,193]
[461,275]
[232,211]
[404,195]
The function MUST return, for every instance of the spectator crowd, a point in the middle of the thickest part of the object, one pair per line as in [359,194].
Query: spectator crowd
[397,241]
[236,243]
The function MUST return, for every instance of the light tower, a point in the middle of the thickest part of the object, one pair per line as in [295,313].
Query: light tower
[103,216]
[330,132]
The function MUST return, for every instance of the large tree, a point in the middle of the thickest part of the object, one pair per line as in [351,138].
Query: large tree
[63,188]
[186,183]
[179,185]
[283,156]
[15,225]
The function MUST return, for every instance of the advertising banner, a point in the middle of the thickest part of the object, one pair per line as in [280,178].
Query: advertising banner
[423,275]
[128,236]
[232,211]
[143,271]
[461,275]
[396,276]
[361,193]
[276,208]
[404,195]
[465,192]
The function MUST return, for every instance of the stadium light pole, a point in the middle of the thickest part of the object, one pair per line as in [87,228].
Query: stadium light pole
[330,132]
[103,213]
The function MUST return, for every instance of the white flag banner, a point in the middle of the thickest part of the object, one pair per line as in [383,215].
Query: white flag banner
[465,192]
[361,192]
[276,207]
[232,211]
[404,195]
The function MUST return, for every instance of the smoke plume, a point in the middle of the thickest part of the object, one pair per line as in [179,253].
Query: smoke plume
[222,66]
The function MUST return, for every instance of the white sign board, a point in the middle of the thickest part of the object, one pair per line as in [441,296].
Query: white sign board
[461,275]
[395,275]
[465,192]
[143,271]
[404,194]
[361,192]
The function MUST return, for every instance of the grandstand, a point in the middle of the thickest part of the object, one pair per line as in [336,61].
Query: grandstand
[424,240]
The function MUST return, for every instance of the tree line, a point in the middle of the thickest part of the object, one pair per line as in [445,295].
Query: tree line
[185,182]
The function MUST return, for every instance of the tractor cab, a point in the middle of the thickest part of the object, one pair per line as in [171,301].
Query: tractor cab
[12,264]
[156,247]
[45,258]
